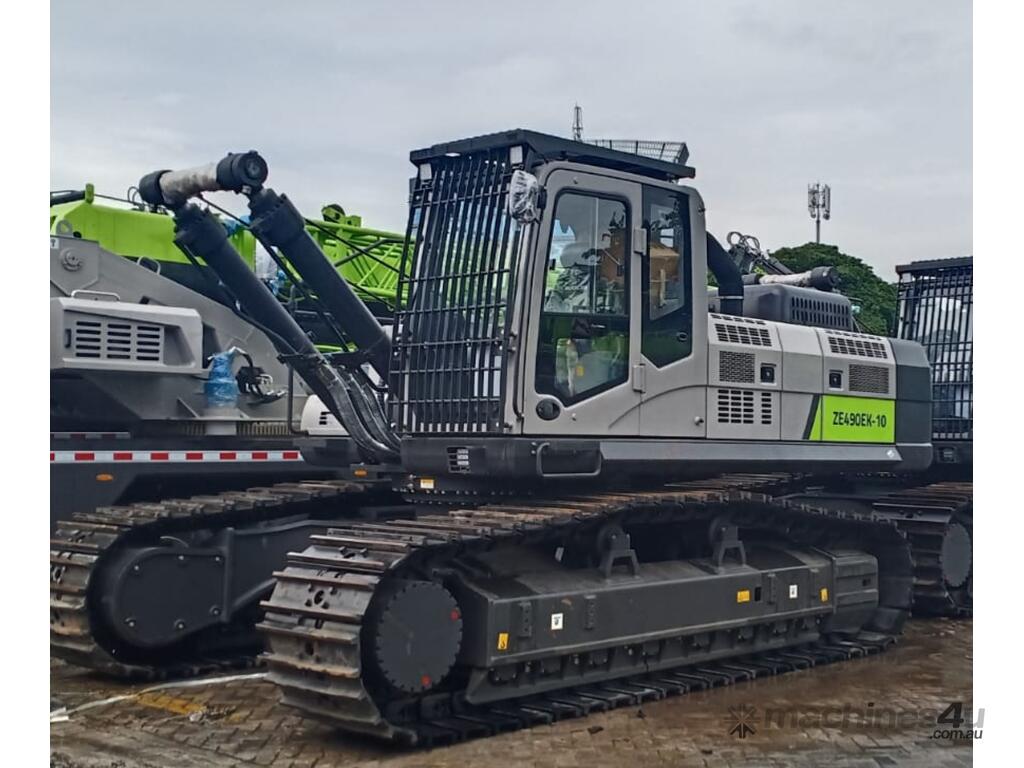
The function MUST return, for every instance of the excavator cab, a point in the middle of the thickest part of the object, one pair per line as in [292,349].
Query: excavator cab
[553,288]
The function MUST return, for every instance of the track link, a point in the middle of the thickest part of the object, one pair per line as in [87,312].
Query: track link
[314,619]
[938,522]
[82,544]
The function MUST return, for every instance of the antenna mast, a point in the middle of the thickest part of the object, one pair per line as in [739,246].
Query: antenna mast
[577,123]
[819,205]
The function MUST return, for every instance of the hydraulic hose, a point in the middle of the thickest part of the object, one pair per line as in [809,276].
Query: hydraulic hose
[201,233]
[276,219]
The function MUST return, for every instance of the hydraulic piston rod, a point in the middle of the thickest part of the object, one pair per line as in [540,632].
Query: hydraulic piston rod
[201,233]
[276,220]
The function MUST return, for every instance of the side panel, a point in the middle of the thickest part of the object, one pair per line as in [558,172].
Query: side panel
[914,414]
[800,418]
[745,374]
[802,367]
[120,336]
[675,400]
[139,352]
[857,364]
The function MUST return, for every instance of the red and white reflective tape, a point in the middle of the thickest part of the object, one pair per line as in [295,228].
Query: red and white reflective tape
[170,457]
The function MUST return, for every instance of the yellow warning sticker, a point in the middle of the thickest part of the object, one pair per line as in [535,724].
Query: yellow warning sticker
[743,596]
[503,641]
[824,594]
[426,483]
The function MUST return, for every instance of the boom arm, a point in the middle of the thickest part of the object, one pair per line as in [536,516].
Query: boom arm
[344,392]
[275,219]
[746,251]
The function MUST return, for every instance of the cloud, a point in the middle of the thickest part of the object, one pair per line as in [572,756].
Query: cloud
[872,97]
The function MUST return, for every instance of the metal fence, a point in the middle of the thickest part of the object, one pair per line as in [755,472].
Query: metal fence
[936,306]
[669,151]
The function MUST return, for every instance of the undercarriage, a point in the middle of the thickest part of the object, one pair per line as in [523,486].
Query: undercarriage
[476,620]
[172,588]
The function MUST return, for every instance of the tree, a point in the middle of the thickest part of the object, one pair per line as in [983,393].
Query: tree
[875,297]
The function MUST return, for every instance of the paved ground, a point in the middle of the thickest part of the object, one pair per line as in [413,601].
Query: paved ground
[866,713]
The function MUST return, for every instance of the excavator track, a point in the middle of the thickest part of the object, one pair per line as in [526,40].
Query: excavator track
[85,543]
[938,522]
[319,622]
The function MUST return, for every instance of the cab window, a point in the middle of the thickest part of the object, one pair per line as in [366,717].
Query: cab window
[667,325]
[584,324]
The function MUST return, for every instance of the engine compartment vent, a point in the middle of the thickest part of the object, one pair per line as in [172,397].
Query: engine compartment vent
[102,339]
[736,367]
[820,312]
[766,408]
[869,378]
[734,333]
[737,319]
[735,406]
[856,345]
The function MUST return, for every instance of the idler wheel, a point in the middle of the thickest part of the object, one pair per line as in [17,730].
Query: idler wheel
[417,635]
[956,555]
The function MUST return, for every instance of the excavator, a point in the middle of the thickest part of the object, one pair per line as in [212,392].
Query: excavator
[620,493]
[623,489]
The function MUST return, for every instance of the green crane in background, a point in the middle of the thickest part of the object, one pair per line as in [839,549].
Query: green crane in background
[368,259]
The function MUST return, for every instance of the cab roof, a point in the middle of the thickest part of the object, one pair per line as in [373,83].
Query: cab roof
[542,148]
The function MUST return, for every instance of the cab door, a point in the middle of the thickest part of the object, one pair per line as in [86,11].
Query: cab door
[583,338]
[672,370]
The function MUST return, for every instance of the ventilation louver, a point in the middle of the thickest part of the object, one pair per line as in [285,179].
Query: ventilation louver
[735,406]
[820,313]
[735,333]
[869,378]
[766,408]
[856,345]
[737,367]
[738,319]
[118,340]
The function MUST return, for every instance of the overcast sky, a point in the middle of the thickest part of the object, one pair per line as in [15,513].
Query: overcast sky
[873,98]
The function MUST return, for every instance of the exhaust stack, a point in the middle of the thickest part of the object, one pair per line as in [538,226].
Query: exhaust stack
[728,275]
